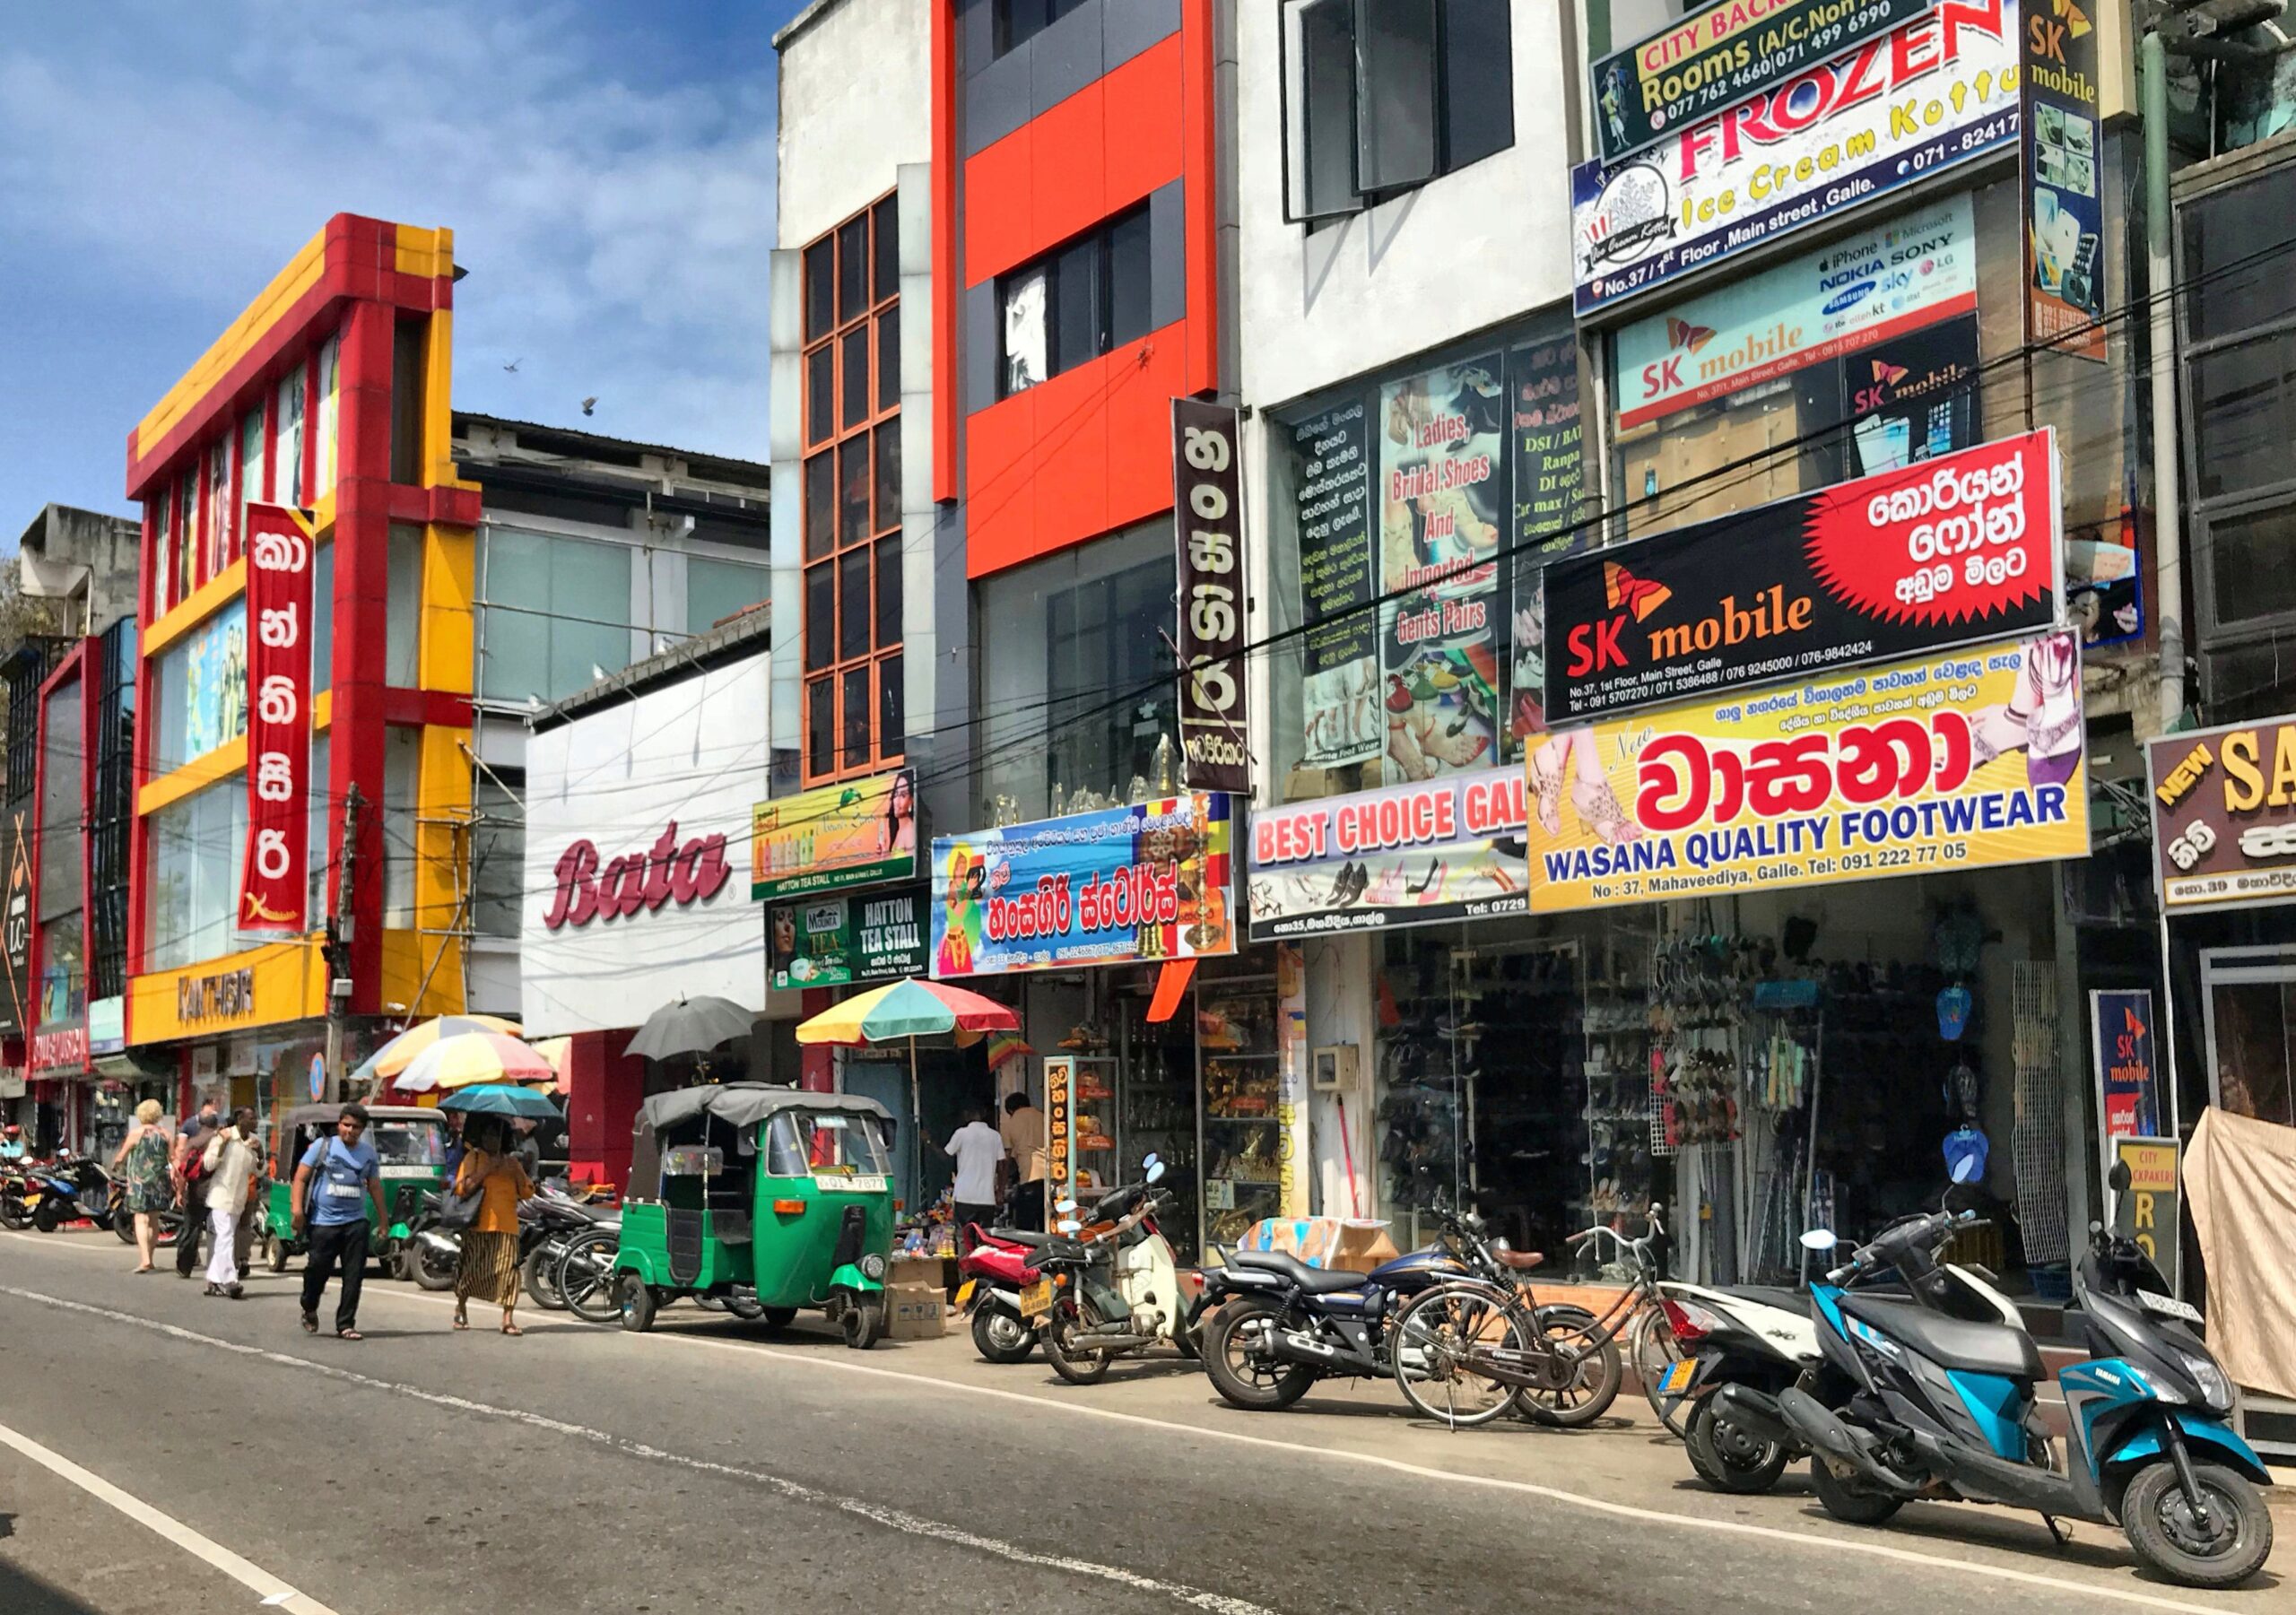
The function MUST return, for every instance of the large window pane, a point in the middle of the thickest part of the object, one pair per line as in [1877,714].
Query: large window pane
[820,393]
[1478,82]
[1024,331]
[857,716]
[2244,414]
[886,240]
[410,336]
[2236,245]
[498,849]
[821,615]
[323,618]
[2249,563]
[1321,84]
[402,772]
[717,589]
[190,900]
[62,888]
[1076,335]
[200,689]
[1129,269]
[892,708]
[323,854]
[854,491]
[1395,57]
[287,479]
[820,727]
[888,359]
[854,363]
[558,609]
[590,598]
[852,269]
[252,469]
[889,475]
[820,504]
[403,621]
[888,592]
[821,280]
[853,604]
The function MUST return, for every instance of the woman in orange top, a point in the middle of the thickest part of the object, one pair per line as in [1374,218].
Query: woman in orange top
[489,1268]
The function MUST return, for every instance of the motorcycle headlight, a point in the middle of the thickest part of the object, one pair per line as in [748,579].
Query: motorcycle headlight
[873,1265]
[2215,1390]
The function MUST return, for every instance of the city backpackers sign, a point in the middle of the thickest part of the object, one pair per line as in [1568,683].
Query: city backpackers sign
[1951,762]
[2224,815]
[1446,850]
[1208,519]
[1721,56]
[1939,552]
[1939,90]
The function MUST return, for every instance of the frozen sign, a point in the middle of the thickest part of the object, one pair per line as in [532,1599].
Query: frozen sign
[275,878]
[1938,91]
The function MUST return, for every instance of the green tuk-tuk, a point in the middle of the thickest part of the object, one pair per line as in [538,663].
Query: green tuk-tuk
[768,1199]
[410,1144]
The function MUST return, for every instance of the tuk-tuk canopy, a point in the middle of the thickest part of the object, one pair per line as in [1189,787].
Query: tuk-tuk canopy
[743,1104]
[325,1116]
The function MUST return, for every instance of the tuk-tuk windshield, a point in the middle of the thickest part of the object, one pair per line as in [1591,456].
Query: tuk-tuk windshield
[400,1141]
[800,1142]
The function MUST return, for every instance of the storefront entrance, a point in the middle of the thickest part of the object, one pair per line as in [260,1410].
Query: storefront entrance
[2249,1009]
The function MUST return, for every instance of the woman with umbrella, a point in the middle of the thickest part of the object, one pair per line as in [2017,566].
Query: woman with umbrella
[488,1268]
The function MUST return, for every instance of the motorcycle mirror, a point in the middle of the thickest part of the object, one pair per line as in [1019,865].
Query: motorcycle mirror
[1148,1160]
[1155,1171]
[1064,1206]
[1069,1225]
[1818,1239]
[2120,1176]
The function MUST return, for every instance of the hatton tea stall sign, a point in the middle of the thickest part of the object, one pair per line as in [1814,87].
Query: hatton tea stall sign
[1209,519]
[2224,815]
[833,941]
[274,880]
[1939,552]
[1959,761]
[1448,850]
[1147,882]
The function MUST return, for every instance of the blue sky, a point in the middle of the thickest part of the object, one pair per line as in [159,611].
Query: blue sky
[607,169]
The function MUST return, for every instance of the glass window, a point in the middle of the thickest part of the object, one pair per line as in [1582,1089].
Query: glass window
[2236,243]
[888,475]
[821,394]
[821,726]
[888,359]
[162,564]
[187,535]
[287,482]
[408,338]
[402,778]
[2248,561]
[403,618]
[63,968]
[1078,333]
[1024,330]
[821,615]
[324,427]
[885,237]
[196,846]
[1020,21]
[855,696]
[853,609]
[557,616]
[853,362]
[1078,303]
[63,808]
[408,1142]
[1478,82]
[888,592]
[1129,272]
[200,686]
[853,522]
[1395,57]
[252,461]
[892,705]
[498,851]
[852,268]
[717,589]
[324,856]
[220,510]
[820,281]
[2241,406]
[323,618]
[820,504]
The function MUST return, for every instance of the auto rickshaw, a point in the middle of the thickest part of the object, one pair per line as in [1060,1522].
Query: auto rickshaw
[410,1144]
[766,1199]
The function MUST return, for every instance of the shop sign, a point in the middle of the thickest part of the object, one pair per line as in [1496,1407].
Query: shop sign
[274,880]
[1951,762]
[107,1025]
[16,922]
[1937,553]
[1418,855]
[2224,815]
[635,882]
[837,837]
[1546,440]
[2104,581]
[225,995]
[1722,55]
[215,680]
[1912,397]
[1147,882]
[2154,1185]
[1332,518]
[2065,207]
[1940,91]
[1059,1121]
[61,1051]
[833,941]
[1208,519]
[1915,270]
[2128,1077]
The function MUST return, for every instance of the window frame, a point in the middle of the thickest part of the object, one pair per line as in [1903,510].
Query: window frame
[1100,240]
[858,413]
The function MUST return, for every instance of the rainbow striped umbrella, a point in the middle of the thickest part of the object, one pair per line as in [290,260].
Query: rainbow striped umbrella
[475,1058]
[399,1052]
[909,1008]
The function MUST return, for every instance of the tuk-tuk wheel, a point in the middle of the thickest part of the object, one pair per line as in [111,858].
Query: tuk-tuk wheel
[780,1317]
[637,1303]
[274,1253]
[864,1322]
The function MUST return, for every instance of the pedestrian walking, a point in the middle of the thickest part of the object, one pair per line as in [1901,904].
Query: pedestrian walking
[1022,1130]
[142,1166]
[980,1150]
[333,1182]
[230,1162]
[488,1268]
[188,1163]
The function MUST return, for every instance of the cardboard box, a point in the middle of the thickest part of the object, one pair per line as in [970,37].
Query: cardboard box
[1330,1242]
[909,1272]
[915,1312]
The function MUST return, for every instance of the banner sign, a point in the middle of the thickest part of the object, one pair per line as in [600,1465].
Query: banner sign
[1417,854]
[1331,516]
[853,834]
[1146,881]
[1939,91]
[1917,269]
[837,940]
[16,924]
[2157,1187]
[2224,815]
[61,1051]
[2064,208]
[1723,55]
[275,882]
[1913,397]
[1208,517]
[1951,762]
[1941,552]
[1059,1125]
[2128,1077]
[1546,436]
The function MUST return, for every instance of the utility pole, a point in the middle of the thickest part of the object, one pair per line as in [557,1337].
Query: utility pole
[340,926]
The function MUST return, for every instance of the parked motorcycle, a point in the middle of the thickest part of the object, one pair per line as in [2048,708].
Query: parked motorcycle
[995,1271]
[17,1195]
[1741,1348]
[1109,1287]
[75,1188]
[1913,1402]
[430,1252]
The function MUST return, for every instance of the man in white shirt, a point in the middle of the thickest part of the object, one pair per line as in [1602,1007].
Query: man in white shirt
[231,1165]
[980,1151]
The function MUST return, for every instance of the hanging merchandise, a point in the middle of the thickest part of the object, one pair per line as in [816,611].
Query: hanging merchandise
[1953,1006]
[1958,936]
[1966,1150]
[2037,1143]
[1961,1089]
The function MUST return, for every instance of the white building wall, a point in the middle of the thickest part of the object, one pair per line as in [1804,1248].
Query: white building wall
[856,104]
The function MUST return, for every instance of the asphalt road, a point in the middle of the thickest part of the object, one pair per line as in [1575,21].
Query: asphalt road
[164,1452]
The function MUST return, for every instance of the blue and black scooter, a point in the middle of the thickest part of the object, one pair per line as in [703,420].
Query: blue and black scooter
[1913,1403]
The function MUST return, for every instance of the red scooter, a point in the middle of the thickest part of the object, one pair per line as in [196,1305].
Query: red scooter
[996,1268]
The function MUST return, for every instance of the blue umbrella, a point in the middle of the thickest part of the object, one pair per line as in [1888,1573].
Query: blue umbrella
[500,1099]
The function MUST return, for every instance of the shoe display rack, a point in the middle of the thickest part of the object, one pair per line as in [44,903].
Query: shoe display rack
[1621,1094]
[1243,1129]
[1157,1112]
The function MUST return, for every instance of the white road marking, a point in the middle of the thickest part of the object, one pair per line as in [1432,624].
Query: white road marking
[896,1519]
[277,1593]
[1799,1539]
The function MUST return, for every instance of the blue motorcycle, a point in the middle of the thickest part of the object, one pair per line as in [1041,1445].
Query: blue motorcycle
[71,1189]
[1935,1400]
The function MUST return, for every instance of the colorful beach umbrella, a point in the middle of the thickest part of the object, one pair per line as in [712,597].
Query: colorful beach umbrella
[475,1058]
[909,1009]
[396,1056]
[1005,1047]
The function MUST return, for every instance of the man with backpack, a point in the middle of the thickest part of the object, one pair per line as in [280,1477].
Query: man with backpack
[189,1166]
[334,1183]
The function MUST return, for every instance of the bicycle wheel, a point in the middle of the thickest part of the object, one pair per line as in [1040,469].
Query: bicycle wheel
[1587,1371]
[1654,1351]
[1444,1345]
[586,1277]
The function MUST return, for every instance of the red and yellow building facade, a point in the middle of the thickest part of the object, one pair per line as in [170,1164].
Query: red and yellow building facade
[329,394]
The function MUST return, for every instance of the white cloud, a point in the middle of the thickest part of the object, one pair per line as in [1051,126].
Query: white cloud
[615,220]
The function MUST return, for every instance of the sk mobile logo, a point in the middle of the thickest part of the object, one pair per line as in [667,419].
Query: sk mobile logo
[1597,646]
[1665,375]
[1885,376]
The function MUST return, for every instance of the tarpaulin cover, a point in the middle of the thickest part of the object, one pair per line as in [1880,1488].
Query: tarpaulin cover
[741,1103]
[2241,1182]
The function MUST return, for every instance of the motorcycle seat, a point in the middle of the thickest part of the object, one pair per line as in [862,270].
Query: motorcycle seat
[1018,1237]
[1765,1295]
[1950,1343]
[1314,1280]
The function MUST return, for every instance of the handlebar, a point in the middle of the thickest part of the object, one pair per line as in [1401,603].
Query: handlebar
[1921,1233]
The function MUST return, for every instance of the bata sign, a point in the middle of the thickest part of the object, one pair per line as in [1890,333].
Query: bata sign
[1938,91]
[636,882]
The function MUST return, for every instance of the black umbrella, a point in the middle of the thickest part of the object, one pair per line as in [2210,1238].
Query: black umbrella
[691,1026]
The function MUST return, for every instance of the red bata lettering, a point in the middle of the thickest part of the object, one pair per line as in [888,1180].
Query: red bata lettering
[1681,782]
[666,872]
[1044,912]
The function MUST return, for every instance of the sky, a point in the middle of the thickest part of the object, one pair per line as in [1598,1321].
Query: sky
[607,168]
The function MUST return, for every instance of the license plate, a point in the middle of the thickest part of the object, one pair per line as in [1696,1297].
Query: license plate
[1036,1300]
[2168,1307]
[964,1293]
[851,1185]
[1677,1379]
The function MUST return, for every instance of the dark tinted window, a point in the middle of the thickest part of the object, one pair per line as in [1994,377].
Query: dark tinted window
[1076,303]
[820,279]
[1478,82]
[2243,411]
[2248,559]
[885,239]
[1129,269]
[2237,269]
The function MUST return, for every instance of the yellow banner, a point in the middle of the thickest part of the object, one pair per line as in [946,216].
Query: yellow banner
[841,836]
[1962,761]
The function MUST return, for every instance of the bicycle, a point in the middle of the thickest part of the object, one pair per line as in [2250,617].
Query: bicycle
[1650,1343]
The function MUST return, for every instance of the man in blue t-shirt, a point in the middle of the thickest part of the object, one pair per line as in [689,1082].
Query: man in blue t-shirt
[334,1183]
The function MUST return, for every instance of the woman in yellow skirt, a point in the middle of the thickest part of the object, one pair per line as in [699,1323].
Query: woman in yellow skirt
[488,1268]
